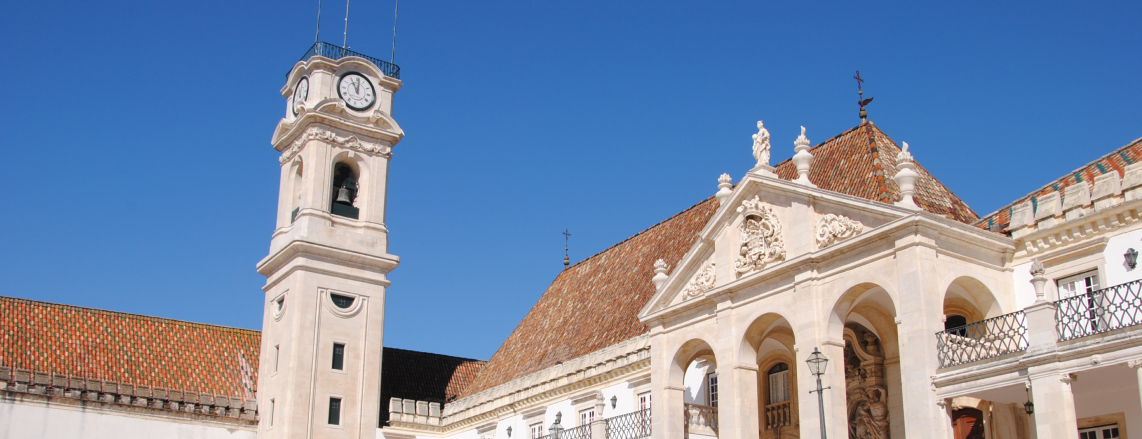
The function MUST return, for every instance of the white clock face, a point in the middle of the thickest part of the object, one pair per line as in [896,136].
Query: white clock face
[357,91]
[300,92]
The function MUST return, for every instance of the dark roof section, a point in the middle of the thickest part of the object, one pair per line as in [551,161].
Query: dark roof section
[862,161]
[1116,161]
[423,376]
[594,303]
[128,348]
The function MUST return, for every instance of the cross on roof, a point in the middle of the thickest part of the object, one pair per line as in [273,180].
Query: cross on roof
[566,257]
[860,99]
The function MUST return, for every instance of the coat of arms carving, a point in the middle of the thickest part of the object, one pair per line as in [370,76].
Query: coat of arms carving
[761,240]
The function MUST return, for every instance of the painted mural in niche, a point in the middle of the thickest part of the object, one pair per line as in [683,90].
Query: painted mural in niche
[761,240]
[865,386]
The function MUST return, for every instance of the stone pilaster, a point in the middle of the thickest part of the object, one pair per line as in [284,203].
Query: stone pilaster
[1054,405]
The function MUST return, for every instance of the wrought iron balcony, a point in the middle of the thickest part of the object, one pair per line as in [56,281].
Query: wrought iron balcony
[990,338]
[1099,311]
[633,425]
[337,52]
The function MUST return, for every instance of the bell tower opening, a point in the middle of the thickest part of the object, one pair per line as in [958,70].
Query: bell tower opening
[345,190]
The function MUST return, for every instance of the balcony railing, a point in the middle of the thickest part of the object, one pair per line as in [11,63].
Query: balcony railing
[337,52]
[701,419]
[778,415]
[990,338]
[634,425]
[1100,311]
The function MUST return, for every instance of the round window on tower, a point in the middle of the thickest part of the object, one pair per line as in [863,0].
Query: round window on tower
[345,190]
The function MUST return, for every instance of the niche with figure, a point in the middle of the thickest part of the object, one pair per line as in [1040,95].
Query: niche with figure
[865,385]
[345,191]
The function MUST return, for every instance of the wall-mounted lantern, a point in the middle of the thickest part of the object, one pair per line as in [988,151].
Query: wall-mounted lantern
[614,401]
[1131,258]
[509,431]
[1030,406]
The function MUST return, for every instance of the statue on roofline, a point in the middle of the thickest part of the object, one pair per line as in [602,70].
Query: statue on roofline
[761,145]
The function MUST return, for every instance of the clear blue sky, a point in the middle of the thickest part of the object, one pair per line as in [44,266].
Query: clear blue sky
[137,173]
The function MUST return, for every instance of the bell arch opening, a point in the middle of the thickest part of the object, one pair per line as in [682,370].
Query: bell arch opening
[345,189]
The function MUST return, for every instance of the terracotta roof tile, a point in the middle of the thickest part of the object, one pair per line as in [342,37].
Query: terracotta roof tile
[1116,161]
[423,376]
[128,348]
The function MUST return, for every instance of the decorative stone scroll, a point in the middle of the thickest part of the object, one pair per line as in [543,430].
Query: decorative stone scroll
[761,240]
[865,385]
[835,228]
[701,282]
[351,142]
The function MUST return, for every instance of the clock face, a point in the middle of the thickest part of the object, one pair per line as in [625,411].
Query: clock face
[300,92]
[357,91]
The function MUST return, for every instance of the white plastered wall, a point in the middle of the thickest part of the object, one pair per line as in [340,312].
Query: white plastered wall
[20,421]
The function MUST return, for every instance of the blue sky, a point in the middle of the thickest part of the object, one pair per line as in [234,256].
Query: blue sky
[138,176]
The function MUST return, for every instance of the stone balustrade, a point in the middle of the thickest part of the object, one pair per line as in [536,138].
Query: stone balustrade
[88,390]
[779,415]
[701,420]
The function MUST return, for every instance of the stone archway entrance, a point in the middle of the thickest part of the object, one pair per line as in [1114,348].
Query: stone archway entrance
[967,423]
[866,387]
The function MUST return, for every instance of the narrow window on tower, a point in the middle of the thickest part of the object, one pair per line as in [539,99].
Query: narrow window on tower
[344,192]
[338,356]
[277,355]
[271,413]
[334,411]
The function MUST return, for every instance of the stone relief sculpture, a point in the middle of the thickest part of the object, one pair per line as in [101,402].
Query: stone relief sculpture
[835,228]
[865,385]
[702,281]
[761,145]
[351,142]
[761,240]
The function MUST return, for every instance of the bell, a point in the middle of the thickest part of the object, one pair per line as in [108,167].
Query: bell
[343,196]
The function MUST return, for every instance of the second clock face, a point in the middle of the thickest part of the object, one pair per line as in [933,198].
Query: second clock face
[301,92]
[356,90]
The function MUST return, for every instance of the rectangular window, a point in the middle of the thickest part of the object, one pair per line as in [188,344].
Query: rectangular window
[586,417]
[779,387]
[338,356]
[644,400]
[334,411]
[277,354]
[536,430]
[713,392]
[271,413]
[1078,284]
[1100,432]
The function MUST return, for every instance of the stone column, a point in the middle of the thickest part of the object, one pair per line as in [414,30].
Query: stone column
[599,425]
[667,417]
[1137,366]
[1054,405]
[734,399]
[744,403]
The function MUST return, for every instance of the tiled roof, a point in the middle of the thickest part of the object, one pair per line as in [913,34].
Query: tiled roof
[1116,161]
[423,376]
[862,161]
[128,348]
[594,303]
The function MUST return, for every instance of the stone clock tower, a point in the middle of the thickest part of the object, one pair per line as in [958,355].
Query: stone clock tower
[326,273]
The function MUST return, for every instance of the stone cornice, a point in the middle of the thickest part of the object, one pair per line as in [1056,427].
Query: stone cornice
[1079,230]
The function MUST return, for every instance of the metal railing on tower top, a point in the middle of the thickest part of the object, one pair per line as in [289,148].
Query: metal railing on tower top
[335,52]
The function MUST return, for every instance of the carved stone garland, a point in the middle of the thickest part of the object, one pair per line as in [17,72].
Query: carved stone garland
[866,387]
[701,282]
[761,240]
[835,228]
[351,142]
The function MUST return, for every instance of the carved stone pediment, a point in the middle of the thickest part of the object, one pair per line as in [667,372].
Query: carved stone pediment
[835,228]
[702,281]
[761,240]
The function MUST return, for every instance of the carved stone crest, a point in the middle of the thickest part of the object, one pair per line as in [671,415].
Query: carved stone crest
[761,240]
[835,228]
[702,281]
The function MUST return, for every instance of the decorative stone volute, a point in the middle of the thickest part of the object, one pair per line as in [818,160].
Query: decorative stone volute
[761,151]
[906,178]
[834,228]
[1038,279]
[803,159]
[725,189]
[702,281]
[660,276]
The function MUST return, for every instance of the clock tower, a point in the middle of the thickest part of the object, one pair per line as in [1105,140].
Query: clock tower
[326,272]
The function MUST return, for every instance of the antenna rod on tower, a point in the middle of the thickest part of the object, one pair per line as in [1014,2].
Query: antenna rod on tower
[393,58]
[317,38]
[345,38]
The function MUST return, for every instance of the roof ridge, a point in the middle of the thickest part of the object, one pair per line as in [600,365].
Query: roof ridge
[439,355]
[124,314]
[648,229]
[877,166]
[1056,180]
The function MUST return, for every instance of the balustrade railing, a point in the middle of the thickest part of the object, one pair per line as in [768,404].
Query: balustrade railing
[701,418]
[990,338]
[633,425]
[1099,311]
[778,415]
[337,52]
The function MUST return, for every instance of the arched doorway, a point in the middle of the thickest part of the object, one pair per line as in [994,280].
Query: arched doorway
[865,317]
[967,423]
[770,340]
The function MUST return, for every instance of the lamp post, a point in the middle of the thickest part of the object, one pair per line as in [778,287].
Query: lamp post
[817,364]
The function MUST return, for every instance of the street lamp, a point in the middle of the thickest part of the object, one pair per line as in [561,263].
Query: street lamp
[817,364]
[1029,406]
